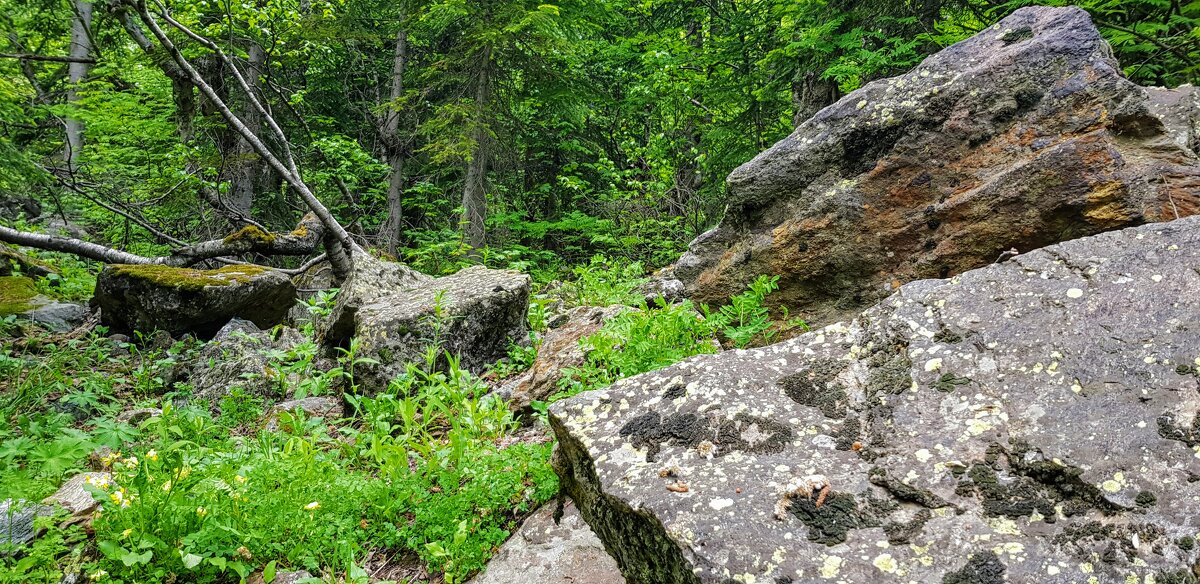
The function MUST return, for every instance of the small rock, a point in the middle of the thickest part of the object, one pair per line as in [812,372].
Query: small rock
[16,521]
[543,552]
[74,498]
[136,416]
[280,577]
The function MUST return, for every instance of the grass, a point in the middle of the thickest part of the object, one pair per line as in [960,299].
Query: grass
[430,472]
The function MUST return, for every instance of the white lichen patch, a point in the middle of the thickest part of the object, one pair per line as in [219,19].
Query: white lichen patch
[719,504]
[1074,293]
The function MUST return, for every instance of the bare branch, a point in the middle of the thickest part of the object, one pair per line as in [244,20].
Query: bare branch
[50,58]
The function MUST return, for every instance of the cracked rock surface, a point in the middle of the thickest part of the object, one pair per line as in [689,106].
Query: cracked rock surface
[1031,421]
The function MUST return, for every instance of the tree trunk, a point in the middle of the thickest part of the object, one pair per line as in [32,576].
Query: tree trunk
[474,201]
[247,164]
[389,233]
[81,48]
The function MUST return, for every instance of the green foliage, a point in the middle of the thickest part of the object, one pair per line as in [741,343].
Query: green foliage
[745,317]
[605,281]
[656,336]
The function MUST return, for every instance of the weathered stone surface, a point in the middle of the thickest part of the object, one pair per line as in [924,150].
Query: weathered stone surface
[183,300]
[239,356]
[1031,421]
[482,311]
[1179,110]
[138,415]
[1022,136]
[16,522]
[19,297]
[280,577]
[56,317]
[546,553]
[663,284]
[559,351]
[73,497]
[371,280]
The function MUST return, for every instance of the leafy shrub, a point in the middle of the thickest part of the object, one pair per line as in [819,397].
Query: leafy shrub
[605,281]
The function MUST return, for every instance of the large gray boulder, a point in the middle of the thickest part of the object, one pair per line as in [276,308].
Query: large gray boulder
[182,300]
[1022,136]
[1031,421]
[474,315]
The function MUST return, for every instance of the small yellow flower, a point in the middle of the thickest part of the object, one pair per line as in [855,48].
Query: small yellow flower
[110,458]
[201,511]
[98,574]
[184,472]
[127,532]
[131,461]
[152,455]
[239,479]
[117,496]
[167,486]
[312,506]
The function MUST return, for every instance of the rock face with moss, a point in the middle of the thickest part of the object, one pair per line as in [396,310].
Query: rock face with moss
[19,297]
[1022,136]
[474,314]
[183,300]
[1036,420]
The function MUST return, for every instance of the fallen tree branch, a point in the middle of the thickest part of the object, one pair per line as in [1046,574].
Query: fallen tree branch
[304,240]
[50,58]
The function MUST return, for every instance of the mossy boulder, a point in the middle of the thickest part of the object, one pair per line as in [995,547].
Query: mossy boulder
[187,301]
[19,296]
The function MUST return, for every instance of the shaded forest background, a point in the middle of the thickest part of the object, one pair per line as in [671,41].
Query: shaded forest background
[517,133]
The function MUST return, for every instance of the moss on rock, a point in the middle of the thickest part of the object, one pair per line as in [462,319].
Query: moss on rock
[187,279]
[16,295]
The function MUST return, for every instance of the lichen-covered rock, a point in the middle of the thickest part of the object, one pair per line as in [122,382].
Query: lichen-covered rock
[239,356]
[474,314]
[663,285]
[543,551]
[1022,136]
[558,352]
[18,294]
[371,279]
[183,300]
[1031,421]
